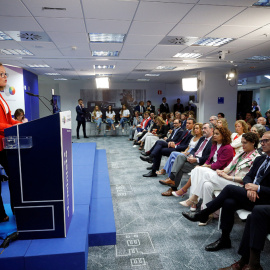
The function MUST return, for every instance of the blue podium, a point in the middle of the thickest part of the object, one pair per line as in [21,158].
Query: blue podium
[41,177]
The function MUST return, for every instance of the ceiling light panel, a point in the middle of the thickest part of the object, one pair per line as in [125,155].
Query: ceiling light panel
[60,79]
[143,80]
[104,66]
[52,74]
[4,36]
[165,67]
[105,53]
[16,52]
[259,58]
[38,66]
[214,42]
[106,38]
[152,75]
[188,55]
[267,76]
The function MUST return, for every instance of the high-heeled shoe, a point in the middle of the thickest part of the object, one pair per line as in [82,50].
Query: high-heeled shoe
[190,203]
[174,193]
[161,172]
[210,218]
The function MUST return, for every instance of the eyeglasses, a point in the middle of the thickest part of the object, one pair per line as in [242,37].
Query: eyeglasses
[2,75]
[264,141]
[211,120]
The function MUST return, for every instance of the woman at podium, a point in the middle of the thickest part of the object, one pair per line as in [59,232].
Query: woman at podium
[6,121]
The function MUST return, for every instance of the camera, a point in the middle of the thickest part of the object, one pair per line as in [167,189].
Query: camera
[222,54]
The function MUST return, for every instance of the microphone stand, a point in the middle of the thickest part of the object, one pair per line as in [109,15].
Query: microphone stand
[39,97]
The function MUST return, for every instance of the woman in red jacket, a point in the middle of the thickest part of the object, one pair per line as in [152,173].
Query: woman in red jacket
[6,121]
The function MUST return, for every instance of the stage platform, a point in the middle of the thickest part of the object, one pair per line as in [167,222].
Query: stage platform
[92,223]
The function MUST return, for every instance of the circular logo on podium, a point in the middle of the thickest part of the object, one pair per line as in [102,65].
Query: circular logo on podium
[12,90]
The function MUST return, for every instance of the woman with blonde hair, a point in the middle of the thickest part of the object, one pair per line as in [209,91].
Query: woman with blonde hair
[97,117]
[222,122]
[241,127]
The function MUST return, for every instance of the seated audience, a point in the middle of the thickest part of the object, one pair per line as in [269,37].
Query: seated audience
[253,239]
[97,117]
[267,117]
[140,108]
[250,122]
[213,119]
[163,148]
[221,115]
[142,127]
[124,115]
[197,133]
[110,116]
[262,121]
[152,128]
[184,164]
[177,115]
[240,129]
[156,134]
[19,116]
[259,130]
[204,182]
[256,191]
[222,122]
[220,157]
[137,119]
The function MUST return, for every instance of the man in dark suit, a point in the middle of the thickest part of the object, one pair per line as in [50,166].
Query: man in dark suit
[140,108]
[164,107]
[184,164]
[256,191]
[256,230]
[163,148]
[178,107]
[191,107]
[81,112]
[150,107]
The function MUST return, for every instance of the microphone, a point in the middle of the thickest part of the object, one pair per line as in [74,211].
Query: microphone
[30,94]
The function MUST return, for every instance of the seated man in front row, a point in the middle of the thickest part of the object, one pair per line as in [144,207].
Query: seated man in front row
[184,164]
[256,191]
[256,230]
[162,148]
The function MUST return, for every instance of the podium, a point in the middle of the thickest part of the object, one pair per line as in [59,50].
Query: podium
[41,177]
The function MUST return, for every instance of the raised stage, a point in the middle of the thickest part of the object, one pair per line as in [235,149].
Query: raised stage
[92,223]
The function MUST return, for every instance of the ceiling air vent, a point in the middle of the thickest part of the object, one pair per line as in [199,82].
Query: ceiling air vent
[28,36]
[64,69]
[178,40]
[51,8]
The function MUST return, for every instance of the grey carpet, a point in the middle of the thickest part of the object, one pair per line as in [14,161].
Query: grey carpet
[151,232]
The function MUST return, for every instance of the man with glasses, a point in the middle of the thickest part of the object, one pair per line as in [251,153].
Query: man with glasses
[213,119]
[256,191]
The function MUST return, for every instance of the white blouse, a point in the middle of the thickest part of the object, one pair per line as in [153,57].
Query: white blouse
[110,114]
[125,113]
[215,155]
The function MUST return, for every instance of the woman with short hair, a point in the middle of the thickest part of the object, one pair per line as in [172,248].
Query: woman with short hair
[241,127]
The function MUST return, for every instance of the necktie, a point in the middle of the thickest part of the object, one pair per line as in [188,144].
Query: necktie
[141,110]
[201,147]
[182,138]
[262,171]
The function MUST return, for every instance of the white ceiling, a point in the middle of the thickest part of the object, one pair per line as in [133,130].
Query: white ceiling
[146,23]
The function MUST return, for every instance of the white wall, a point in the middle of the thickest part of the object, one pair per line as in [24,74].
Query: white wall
[214,85]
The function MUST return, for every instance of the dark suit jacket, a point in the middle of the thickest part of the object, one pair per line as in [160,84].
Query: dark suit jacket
[137,108]
[81,112]
[224,157]
[164,108]
[180,109]
[176,136]
[206,150]
[191,108]
[265,183]
[185,139]
[163,131]
[152,108]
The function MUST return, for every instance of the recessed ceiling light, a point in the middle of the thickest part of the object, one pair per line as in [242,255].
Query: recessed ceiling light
[267,76]
[215,42]
[102,82]
[104,66]
[60,79]
[188,55]
[152,75]
[105,53]
[52,74]
[143,80]
[262,3]
[166,67]
[38,66]
[16,52]
[259,58]
[4,36]
[106,38]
